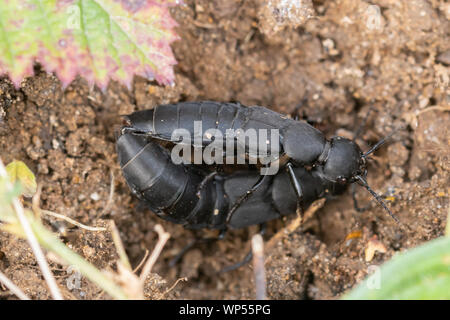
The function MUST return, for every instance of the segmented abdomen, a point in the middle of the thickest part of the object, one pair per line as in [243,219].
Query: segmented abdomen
[163,120]
[169,190]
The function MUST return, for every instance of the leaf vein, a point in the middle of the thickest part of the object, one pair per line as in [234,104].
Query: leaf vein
[86,38]
[134,43]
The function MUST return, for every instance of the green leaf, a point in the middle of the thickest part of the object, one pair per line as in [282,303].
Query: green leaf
[97,39]
[19,172]
[419,273]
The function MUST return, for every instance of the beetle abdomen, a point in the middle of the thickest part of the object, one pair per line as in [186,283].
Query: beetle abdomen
[170,190]
[163,120]
[153,177]
[298,139]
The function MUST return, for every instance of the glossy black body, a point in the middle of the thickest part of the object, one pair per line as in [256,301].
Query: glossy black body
[321,167]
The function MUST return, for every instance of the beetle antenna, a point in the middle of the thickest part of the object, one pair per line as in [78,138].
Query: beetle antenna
[378,144]
[377,197]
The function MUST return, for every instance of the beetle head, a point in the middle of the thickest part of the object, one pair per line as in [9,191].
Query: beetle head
[344,162]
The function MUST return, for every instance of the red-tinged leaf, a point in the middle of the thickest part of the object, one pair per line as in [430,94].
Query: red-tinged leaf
[97,39]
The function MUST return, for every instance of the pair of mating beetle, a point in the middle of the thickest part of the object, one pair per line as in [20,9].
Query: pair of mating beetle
[190,195]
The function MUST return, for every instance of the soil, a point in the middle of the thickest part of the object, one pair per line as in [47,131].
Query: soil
[348,63]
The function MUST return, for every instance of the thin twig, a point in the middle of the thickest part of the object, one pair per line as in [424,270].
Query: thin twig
[119,245]
[434,108]
[172,287]
[316,205]
[31,238]
[142,261]
[204,25]
[162,239]
[75,223]
[37,210]
[40,258]
[12,287]
[36,200]
[258,266]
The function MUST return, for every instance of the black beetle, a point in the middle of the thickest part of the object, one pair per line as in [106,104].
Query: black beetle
[187,195]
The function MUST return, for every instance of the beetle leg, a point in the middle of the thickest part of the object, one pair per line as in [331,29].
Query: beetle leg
[248,256]
[297,187]
[244,197]
[204,182]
